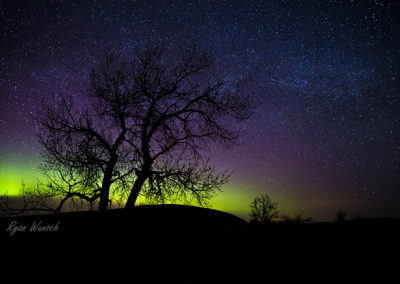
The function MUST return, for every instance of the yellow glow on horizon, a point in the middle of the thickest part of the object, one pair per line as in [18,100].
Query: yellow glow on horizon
[233,199]
[14,173]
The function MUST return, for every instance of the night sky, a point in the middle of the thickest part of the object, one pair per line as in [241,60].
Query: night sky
[324,74]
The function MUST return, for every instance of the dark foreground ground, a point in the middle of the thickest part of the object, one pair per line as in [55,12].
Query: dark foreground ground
[180,244]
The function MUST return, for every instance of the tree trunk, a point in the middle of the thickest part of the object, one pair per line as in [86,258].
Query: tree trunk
[105,187]
[105,191]
[135,190]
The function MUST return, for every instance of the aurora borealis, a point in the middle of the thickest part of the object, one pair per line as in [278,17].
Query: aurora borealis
[324,75]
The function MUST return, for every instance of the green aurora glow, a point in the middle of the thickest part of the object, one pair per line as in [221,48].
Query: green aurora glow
[14,172]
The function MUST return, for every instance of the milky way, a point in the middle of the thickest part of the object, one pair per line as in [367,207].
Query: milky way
[324,76]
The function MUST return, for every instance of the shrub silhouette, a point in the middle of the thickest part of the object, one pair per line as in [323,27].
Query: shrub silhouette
[297,219]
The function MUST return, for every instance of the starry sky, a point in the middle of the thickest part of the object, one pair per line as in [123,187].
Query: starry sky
[324,75]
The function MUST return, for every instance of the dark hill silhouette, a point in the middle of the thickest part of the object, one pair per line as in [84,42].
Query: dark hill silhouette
[122,221]
[184,244]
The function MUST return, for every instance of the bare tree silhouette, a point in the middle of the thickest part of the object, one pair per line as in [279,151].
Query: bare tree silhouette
[340,216]
[141,130]
[181,109]
[263,209]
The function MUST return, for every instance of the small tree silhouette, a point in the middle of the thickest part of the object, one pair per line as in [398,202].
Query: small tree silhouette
[340,216]
[263,209]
